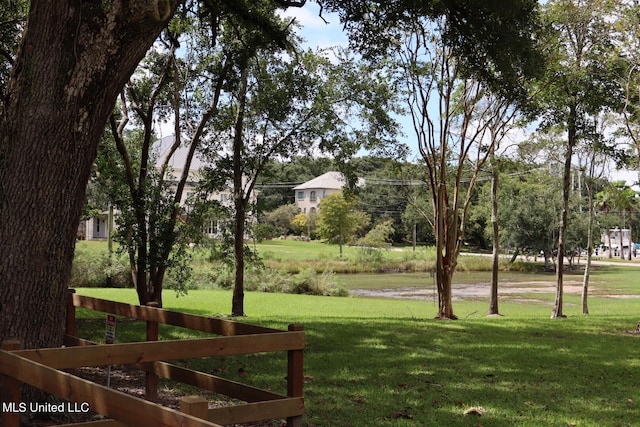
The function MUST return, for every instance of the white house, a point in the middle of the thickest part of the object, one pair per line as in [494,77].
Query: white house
[618,238]
[308,195]
[98,226]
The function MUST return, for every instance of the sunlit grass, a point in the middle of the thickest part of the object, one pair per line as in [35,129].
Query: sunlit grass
[382,362]
[387,363]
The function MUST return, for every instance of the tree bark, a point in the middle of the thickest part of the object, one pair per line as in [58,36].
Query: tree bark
[445,256]
[587,267]
[74,59]
[493,301]
[237,304]
[564,221]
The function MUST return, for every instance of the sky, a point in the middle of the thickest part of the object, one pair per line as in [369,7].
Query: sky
[324,33]
[318,33]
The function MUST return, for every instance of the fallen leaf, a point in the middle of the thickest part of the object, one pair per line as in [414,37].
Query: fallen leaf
[474,410]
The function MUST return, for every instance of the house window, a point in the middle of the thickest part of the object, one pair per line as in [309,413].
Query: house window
[210,227]
[312,197]
[312,210]
[300,195]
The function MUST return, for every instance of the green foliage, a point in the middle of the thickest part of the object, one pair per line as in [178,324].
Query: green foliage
[93,268]
[281,218]
[309,282]
[300,222]
[495,42]
[14,16]
[337,219]
[379,236]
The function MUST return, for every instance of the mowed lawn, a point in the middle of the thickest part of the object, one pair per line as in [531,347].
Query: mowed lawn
[380,362]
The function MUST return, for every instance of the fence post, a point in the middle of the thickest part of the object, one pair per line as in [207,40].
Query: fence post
[151,379]
[195,405]
[71,313]
[10,392]
[295,376]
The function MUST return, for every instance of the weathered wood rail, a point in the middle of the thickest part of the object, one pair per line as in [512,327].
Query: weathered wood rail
[42,368]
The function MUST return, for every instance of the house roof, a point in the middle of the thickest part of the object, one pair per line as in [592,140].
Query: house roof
[330,180]
[161,149]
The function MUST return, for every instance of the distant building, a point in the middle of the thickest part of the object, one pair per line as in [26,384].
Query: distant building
[619,239]
[309,194]
[98,227]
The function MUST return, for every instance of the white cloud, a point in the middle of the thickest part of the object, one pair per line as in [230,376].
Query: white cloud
[317,32]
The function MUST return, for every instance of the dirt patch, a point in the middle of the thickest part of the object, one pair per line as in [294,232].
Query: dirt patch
[515,291]
[130,381]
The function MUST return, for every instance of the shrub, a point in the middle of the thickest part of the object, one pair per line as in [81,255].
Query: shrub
[311,283]
[92,269]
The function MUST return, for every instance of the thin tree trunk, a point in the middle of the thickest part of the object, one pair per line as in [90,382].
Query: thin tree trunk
[237,306]
[564,221]
[444,266]
[587,267]
[493,302]
[630,233]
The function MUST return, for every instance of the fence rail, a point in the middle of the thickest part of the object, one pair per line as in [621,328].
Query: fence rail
[42,368]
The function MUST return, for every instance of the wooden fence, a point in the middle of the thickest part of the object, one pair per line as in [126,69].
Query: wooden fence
[42,368]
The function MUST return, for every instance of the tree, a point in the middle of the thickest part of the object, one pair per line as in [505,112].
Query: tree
[452,117]
[494,41]
[528,201]
[628,47]
[153,223]
[580,82]
[303,223]
[282,218]
[593,169]
[285,105]
[73,61]
[337,219]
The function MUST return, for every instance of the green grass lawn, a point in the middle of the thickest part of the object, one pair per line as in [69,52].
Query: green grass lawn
[379,362]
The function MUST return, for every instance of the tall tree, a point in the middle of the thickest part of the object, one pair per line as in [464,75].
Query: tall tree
[452,118]
[74,59]
[628,46]
[580,82]
[593,168]
[285,106]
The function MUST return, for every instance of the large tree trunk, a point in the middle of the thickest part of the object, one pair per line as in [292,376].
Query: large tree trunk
[445,255]
[74,59]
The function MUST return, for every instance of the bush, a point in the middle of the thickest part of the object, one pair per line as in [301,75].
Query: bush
[311,283]
[92,269]
[369,255]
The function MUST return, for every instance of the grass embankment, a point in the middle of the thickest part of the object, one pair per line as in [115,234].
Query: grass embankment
[291,266]
[378,362]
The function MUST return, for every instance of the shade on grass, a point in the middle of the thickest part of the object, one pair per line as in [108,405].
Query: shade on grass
[377,362]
